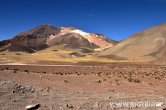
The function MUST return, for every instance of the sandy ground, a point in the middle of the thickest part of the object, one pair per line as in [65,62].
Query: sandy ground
[83,87]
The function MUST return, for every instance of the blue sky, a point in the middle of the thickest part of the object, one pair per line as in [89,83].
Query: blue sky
[117,19]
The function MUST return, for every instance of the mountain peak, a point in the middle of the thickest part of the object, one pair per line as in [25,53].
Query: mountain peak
[46,26]
[42,31]
[47,35]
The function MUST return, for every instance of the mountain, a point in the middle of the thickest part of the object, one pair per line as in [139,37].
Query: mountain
[46,36]
[146,46]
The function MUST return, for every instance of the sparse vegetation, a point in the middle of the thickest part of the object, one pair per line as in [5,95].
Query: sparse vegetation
[77,54]
[157,78]
[55,50]
[18,54]
[26,71]
[150,84]
[7,68]
[104,79]
[15,71]
[86,50]
[66,81]
[44,72]
[137,81]
[134,80]
[98,81]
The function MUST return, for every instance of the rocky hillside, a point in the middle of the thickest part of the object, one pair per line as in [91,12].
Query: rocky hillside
[46,36]
[149,45]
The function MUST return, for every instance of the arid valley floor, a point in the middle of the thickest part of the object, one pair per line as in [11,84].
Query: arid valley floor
[80,87]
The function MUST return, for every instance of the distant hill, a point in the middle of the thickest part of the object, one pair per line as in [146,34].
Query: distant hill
[149,45]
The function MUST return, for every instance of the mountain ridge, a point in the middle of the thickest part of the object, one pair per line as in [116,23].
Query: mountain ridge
[47,35]
[145,46]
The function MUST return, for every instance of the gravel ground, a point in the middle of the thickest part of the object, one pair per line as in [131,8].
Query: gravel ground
[83,88]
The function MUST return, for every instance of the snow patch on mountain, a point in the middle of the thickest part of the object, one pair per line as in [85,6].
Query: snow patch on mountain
[83,34]
[80,32]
